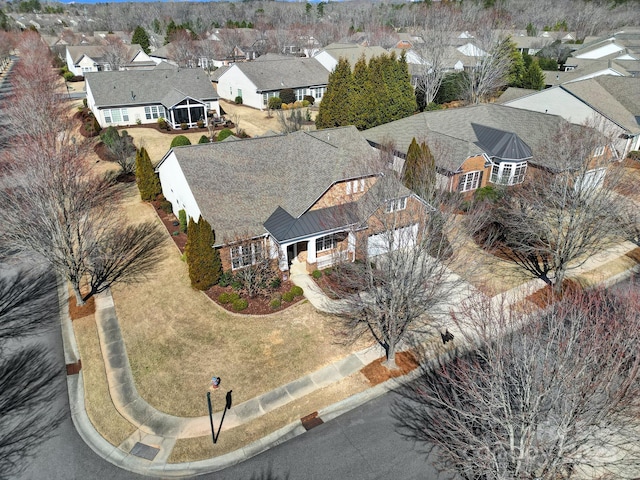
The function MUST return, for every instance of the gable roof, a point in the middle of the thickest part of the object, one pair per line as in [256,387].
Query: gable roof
[97,52]
[453,131]
[352,52]
[274,72]
[617,98]
[140,87]
[239,185]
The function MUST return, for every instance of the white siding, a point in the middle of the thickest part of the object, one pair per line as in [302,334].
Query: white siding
[232,81]
[326,60]
[176,189]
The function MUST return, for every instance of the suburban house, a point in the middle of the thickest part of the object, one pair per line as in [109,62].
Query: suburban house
[610,104]
[83,59]
[351,52]
[314,197]
[257,81]
[180,96]
[476,146]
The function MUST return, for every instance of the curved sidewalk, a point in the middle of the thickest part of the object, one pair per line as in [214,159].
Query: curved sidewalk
[158,431]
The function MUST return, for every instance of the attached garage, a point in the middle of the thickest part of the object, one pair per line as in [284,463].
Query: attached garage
[381,243]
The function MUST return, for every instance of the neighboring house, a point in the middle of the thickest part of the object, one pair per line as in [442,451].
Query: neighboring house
[304,196]
[142,96]
[83,59]
[610,104]
[576,70]
[474,146]
[352,52]
[257,81]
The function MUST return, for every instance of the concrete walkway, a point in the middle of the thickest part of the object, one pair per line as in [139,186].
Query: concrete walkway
[157,432]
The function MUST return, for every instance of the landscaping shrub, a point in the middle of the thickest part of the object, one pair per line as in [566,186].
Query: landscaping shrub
[225,279]
[287,95]
[184,126]
[296,290]
[275,103]
[224,133]
[180,141]
[182,216]
[162,124]
[288,296]
[200,123]
[225,297]
[165,206]
[275,303]
[238,100]
[84,102]
[240,304]
[316,274]
[203,139]
[634,155]
[243,134]
[310,99]
[275,283]
[489,193]
[176,233]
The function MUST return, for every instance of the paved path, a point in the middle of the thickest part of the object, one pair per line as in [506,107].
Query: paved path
[160,431]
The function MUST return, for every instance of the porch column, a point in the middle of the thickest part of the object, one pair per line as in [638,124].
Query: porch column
[283,261]
[311,251]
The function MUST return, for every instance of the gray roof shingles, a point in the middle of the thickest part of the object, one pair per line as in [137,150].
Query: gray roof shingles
[452,134]
[239,185]
[142,87]
[277,72]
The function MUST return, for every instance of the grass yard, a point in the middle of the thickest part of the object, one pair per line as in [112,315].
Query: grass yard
[177,338]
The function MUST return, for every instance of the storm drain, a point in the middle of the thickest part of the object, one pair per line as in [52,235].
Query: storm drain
[311,420]
[144,451]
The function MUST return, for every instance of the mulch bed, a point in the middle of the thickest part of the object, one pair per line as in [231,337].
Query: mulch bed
[545,296]
[257,306]
[377,373]
[81,311]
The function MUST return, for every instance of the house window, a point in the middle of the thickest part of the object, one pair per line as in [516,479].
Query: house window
[328,242]
[154,111]
[318,92]
[246,255]
[470,181]
[395,204]
[116,115]
[598,152]
[355,186]
[266,96]
[300,93]
[508,173]
[239,93]
[591,180]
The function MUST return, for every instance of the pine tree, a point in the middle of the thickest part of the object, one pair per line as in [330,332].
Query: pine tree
[141,38]
[146,178]
[203,260]
[403,95]
[359,93]
[534,77]
[335,108]
[419,174]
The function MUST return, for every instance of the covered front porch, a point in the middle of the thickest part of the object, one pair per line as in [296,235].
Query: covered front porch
[318,252]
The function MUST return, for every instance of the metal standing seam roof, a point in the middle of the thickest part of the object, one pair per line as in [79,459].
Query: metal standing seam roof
[239,185]
[140,87]
[500,144]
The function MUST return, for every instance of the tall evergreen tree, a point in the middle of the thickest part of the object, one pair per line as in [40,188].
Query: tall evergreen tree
[360,92]
[402,93]
[335,108]
[203,260]
[146,178]
[141,38]
[419,174]
[534,77]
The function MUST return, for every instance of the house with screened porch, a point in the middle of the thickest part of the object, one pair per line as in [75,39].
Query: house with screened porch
[130,97]
[313,197]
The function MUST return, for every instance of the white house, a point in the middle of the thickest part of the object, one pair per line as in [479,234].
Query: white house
[351,52]
[609,103]
[142,96]
[83,59]
[257,81]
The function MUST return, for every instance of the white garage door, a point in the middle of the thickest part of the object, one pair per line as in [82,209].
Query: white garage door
[402,238]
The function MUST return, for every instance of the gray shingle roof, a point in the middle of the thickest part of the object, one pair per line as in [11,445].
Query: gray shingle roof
[96,52]
[277,72]
[451,135]
[149,86]
[239,185]
[352,52]
[618,98]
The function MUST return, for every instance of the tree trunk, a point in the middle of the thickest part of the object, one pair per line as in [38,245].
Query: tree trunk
[390,362]
[76,291]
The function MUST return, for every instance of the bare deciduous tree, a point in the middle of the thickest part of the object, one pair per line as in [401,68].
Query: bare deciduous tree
[29,378]
[115,52]
[559,219]
[402,278]
[183,49]
[541,394]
